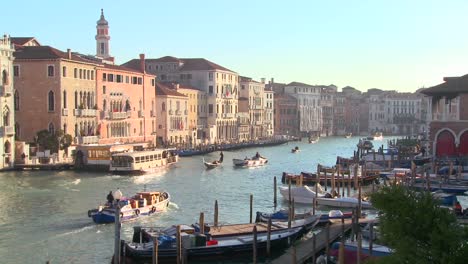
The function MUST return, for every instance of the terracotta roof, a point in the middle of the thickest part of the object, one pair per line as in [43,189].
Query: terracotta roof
[164,59]
[200,64]
[189,64]
[162,89]
[21,40]
[122,68]
[45,53]
[299,84]
[450,86]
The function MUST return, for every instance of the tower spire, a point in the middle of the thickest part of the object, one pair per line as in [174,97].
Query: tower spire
[102,37]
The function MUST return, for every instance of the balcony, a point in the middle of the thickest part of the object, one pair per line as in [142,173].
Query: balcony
[87,140]
[117,115]
[7,131]
[444,116]
[85,112]
[258,123]
[178,112]
[170,112]
[141,113]
[228,115]
[64,112]
[5,90]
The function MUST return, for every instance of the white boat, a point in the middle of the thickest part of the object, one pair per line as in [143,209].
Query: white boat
[313,140]
[378,136]
[254,162]
[211,165]
[302,194]
[348,135]
[138,162]
[344,202]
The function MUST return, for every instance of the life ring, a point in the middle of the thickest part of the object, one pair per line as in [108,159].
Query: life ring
[153,210]
[137,212]
[89,213]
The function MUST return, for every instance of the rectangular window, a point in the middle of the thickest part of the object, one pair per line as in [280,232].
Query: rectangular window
[210,108]
[119,78]
[127,79]
[81,74]
[16,70]
[64,71]
[134,80]
[103,89]
[210,76]
[104,77]
[92,75]
[50,71]
[110,77]
[210,89]
[140,80]
[75,73]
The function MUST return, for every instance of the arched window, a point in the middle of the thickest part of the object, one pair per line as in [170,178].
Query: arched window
[51,128]
[76,130]
[51,102]
[64,99]
[16,101]
[76,100]
[163,107]
[5,77]
[6,116]
[104,105]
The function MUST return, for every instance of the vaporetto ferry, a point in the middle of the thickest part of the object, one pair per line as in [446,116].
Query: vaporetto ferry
[140,162]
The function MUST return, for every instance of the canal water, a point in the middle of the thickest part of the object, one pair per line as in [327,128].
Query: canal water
[43,214]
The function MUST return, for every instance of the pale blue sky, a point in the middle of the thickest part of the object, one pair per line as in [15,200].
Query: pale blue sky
[400,44]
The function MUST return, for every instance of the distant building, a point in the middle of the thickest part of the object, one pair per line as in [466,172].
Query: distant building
[327,99]
[308,106]
[286,115]
[219,83]
[103,38]
[449,123]
[254,92]
[7,106]
[172,128]
[269,117]
[339,114]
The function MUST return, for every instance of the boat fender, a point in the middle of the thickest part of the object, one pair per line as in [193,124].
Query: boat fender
[137,212]
[153,210]
[89,213]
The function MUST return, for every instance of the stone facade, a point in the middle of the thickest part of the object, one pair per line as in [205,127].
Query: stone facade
[253,91]
[286,115]
[269,113]
[7,123]
[308,106]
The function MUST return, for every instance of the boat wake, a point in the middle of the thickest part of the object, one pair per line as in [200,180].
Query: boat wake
[173,205]
[77,181]
[76,231]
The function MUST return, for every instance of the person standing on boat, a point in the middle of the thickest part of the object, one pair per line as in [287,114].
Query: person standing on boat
[110,198]
[221,157]
[257,155]
[117,195]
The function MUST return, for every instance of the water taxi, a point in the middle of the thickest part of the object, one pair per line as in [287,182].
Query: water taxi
[139,162]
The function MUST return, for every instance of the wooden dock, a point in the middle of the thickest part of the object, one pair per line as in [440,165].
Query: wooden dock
[304,250]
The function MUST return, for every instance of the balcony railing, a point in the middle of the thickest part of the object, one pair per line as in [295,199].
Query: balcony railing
[64,112]
[258,123]
[85,112]
[7,131]
[87,140]
[117,115]
[444,116]
[5,90]
[178,112]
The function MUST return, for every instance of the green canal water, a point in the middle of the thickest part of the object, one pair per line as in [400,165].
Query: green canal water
[43,214]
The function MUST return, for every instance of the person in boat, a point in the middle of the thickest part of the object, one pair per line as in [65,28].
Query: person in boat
[221,157]
[117,195]
[110,199]
[257,156]
[458,208]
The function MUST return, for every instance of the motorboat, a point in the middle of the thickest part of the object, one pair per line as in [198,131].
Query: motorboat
[217,242]
[252,162]
[302,194]
[344,202]
[313,140]
[141,204]
[420,160]
[348,135]
[211,165]
[283,216]
[295,150]
[351,249]
[378,136]
[447,199]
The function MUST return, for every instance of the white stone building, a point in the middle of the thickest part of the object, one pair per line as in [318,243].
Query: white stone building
[269,116]
[254,92]
[7,123]
[308,104]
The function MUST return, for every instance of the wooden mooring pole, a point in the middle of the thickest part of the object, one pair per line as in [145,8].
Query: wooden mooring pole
[215,222]
[251,207]
[155,250]
[254,244]
[274,192]
[179,245]
[314,248]
[268,249]
[202,223]
[117,235]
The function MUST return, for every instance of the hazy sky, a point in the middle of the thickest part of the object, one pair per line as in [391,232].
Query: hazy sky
[393,45]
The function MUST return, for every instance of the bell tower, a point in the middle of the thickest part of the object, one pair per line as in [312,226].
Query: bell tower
[102,37]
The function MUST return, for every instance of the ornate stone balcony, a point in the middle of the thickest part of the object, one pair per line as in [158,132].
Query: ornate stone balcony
[85,112]
[7,131]
[87,140]
[117,115]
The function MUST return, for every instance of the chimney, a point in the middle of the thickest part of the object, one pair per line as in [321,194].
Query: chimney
[272,80]
[69,54]
[176,86]
[263,80]
[142,63]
